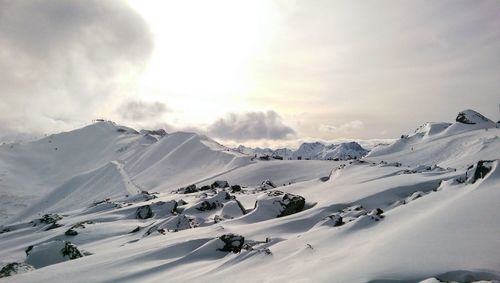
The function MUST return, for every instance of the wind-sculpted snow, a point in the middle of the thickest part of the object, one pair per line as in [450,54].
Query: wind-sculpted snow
[424,209]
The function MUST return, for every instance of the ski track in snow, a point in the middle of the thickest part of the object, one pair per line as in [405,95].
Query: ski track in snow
[130,185]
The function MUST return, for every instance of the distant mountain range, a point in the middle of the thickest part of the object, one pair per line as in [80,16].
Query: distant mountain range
[310,151]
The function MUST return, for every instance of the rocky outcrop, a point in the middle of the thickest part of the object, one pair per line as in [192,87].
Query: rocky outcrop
[231,243]
[214,202]
[144,212]
[351,214]
[471,117]
[14,268]
[483,167]
[279,204]
[220,184]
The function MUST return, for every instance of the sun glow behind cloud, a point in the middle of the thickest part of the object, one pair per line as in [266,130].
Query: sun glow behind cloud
[203,54]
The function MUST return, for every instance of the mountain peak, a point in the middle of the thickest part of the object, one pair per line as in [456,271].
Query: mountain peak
[471,117]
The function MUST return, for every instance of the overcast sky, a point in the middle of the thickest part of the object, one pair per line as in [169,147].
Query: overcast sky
[252,72]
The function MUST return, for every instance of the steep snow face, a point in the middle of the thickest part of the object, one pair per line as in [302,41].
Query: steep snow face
[35,168]
[454,145]
[180,159]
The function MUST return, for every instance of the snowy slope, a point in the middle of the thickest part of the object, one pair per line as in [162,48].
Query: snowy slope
[454,145]
[430,214]
[103,160]
[33,169]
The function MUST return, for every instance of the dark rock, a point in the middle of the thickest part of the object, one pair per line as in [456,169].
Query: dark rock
[220,184]
[159,132]
[206,205]
[15,268]
[268,183]
[71,232]
[292,204]
[232,243]
[71,251]
[205,188]
[135,230]
[144,212]
[287,203]
[47,219]
[482,169]
[28,250]
[378,211]
[336,220]
[376,214]
[467,117]
[235,188]
[188,190]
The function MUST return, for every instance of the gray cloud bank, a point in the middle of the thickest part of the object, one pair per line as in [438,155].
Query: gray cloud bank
[251,126]
[61,61]
[141,110]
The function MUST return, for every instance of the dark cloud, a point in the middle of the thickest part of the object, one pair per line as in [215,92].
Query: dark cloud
[63,60]
[141,110]
[251,126]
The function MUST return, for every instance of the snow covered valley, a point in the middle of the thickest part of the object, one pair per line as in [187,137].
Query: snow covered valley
[106,203]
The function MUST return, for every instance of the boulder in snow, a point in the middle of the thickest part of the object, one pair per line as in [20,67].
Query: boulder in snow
[483,167]
[220,184]
[235,188]
[231,243]
[15,268]
[279,204]
[267,185]
[213,202]
[188,190]
[144,212]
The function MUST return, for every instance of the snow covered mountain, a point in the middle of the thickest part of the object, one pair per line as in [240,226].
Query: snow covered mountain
[311,151]
[105,153]
[114,205]
[319,151]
